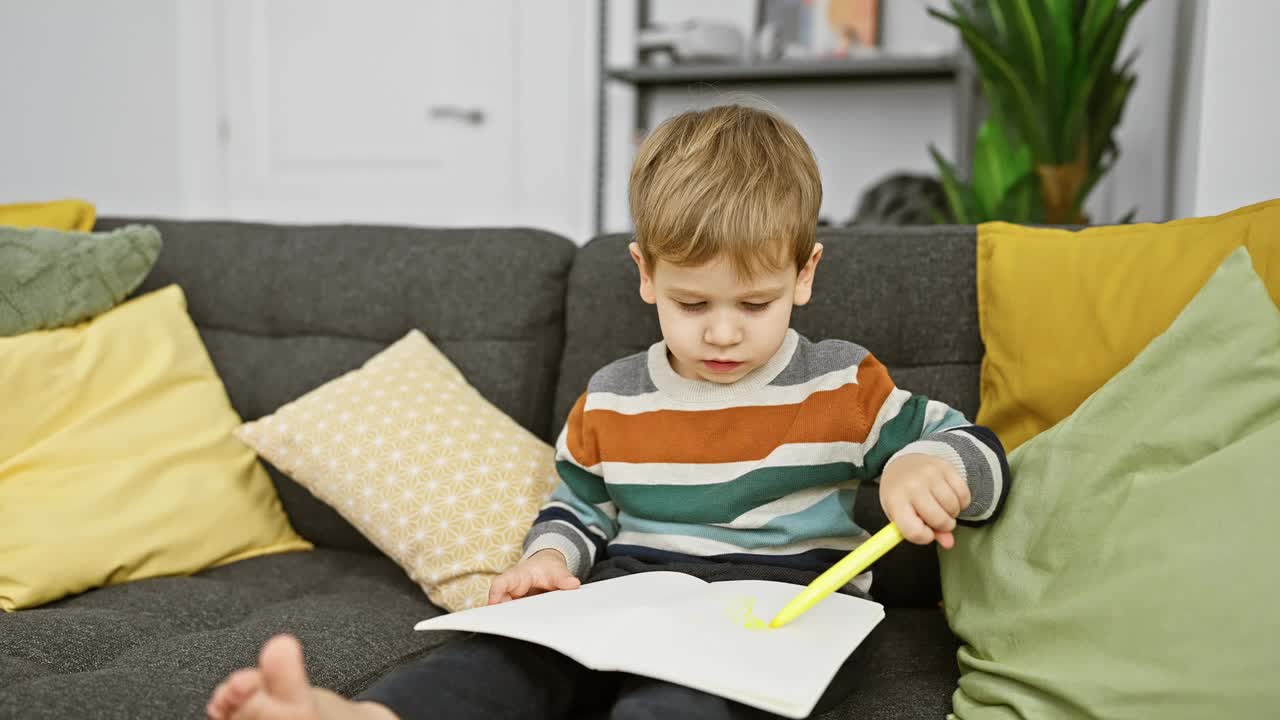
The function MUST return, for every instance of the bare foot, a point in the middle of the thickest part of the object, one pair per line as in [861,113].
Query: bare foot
[278,689]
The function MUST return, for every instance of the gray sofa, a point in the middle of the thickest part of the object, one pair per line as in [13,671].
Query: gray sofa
[527,316]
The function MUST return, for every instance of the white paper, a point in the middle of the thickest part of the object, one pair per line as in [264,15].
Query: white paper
[680,629]
[584,624]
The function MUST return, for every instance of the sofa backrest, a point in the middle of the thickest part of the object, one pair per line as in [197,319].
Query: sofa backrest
[284,309]
[907,294]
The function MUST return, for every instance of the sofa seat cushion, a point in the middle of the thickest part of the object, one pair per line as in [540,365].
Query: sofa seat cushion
[909,669]
[156,648]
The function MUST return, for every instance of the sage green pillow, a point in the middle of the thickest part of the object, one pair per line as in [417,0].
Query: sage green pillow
[52,278]
[1133,572]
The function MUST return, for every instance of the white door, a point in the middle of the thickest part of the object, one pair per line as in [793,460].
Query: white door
[395,111]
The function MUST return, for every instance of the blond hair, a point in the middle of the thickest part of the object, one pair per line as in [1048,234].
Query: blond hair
[729,181]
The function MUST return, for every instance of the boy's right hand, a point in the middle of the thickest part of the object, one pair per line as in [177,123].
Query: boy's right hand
[542,571]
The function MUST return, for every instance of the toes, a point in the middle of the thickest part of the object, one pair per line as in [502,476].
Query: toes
[246,680]
[283,673]
[232,693]
[217,707]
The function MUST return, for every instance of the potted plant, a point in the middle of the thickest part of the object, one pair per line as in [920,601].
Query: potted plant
[1055,93]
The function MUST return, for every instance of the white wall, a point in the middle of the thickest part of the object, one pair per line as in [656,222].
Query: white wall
[1188,87]
[1228,143]
[556,184]
[123,103]
[1140,180]
[91,104]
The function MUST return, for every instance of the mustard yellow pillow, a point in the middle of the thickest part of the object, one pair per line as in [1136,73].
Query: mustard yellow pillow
[117,459]
[1062,312]
[58,215]
[419,462]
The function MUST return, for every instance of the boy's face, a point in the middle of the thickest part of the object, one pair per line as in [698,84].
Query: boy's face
[717,326]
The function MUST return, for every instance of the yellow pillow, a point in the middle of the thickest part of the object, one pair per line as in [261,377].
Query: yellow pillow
[410,454]
[1061,312]
[117,459]
[58,215]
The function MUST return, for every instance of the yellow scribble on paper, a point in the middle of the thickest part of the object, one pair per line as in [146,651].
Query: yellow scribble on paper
[742,612]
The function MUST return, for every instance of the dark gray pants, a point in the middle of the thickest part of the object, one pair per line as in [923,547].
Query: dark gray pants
[490,677]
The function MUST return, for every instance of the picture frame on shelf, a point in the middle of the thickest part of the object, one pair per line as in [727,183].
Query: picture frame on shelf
[815,29]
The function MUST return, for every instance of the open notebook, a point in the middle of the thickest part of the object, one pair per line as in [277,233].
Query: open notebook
[709,636]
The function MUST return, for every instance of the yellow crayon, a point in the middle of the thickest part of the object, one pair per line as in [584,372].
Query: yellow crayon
[839,575]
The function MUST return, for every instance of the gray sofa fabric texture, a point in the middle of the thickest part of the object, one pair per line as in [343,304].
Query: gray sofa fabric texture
[156,648]
[527,317]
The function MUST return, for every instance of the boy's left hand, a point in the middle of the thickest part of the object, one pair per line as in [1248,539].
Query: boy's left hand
[923,495]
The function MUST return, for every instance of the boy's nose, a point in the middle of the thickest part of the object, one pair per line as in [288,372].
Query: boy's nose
[723,333]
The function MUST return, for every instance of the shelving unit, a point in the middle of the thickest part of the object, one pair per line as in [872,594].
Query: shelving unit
[876,67]
[858,69]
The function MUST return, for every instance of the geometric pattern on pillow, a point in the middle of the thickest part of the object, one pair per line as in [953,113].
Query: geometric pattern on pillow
[434,475]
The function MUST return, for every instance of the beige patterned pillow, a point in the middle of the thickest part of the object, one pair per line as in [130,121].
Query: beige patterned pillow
[410,454]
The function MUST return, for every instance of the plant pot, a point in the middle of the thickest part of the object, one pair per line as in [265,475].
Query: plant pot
[1059,187]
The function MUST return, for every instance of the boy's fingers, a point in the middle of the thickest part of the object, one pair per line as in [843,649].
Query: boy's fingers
[522,585]
[927,507]
[543,580]
[497,589]
[947,498]
[961,489]
[568,582]
[908,522]
[946,540]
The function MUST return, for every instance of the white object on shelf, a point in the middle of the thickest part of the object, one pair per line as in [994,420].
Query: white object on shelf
[694,41]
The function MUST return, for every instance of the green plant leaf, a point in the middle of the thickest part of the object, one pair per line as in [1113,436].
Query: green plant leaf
[999,73]
[1020,203]
[1055,17]
[1106,114]
[1049,73]
[1096,173]
[1097,17]
[1103,56]
[959,195]
[1094,94]
[997,166]
[1024,42]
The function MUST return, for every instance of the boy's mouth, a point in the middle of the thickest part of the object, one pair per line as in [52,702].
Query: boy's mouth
[721,366]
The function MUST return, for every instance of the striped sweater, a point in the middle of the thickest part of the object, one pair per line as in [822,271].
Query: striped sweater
[764,470]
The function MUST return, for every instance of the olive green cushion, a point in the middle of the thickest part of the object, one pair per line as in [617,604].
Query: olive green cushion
[52,278]
[1133,572]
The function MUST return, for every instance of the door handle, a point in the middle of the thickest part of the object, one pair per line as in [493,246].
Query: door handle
[470,116]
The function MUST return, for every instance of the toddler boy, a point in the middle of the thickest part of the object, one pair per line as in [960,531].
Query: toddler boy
[732,449]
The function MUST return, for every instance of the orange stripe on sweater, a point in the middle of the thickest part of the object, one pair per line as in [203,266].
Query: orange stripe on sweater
[581,446]
[739,434]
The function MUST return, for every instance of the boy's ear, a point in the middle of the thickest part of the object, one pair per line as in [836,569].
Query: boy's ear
[804,281]
[646,279]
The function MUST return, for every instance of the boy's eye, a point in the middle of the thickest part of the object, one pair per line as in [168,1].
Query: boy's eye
[691,307]
[754,307]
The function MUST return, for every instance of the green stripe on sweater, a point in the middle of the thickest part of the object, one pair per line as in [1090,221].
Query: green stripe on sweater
[828,517]
[722,502]
[585,485]
[902,430]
